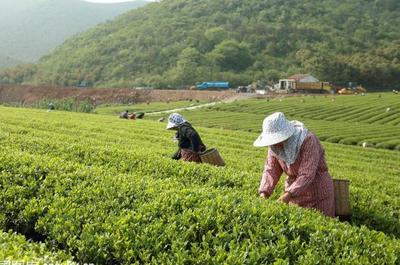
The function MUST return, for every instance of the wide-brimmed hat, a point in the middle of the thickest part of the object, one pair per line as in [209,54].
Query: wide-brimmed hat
[174,120]
[276,129]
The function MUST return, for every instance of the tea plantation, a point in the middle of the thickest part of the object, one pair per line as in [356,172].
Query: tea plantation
[373,119]
[97,189]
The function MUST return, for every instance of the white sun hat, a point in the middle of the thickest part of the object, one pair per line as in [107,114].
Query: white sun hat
[276,129]
[174,120]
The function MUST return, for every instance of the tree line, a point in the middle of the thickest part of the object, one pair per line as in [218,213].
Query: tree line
[176,43]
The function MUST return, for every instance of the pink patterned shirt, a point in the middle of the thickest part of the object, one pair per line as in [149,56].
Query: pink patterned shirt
[308,180]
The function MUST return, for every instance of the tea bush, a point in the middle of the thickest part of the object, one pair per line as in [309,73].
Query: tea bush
[15,248]
[349,120]
[105,191]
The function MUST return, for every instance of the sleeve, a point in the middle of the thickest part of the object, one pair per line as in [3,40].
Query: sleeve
[271,174]
[310,155]
[194,138]
[177,155]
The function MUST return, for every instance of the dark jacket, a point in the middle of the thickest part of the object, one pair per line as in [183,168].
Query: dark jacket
[188,138]
[124,115]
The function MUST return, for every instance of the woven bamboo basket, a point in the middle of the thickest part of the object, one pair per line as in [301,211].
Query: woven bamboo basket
[342,198]
[212,156]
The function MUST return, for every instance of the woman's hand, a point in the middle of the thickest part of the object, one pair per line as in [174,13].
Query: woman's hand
[263,195]
[285,198]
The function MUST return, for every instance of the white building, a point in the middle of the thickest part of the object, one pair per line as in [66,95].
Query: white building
[307,78]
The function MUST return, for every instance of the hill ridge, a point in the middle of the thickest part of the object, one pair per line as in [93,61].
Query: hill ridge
[180,42]
[30,29]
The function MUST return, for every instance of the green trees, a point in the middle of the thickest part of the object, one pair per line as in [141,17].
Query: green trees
[19,74]
[215,36]
[177,43]
[187,65]
[231,55]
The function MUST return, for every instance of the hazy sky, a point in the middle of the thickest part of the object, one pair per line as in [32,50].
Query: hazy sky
[110,1]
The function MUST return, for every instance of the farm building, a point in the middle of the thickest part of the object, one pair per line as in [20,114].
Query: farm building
[301,82]
[304,78]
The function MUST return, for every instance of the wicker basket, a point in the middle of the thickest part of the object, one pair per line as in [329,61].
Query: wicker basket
[212,156]
[342,198]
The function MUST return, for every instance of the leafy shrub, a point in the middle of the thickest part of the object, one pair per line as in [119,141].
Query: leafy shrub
[15,248]
[111,199]
[69,104]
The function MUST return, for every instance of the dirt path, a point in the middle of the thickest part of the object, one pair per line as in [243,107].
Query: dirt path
[228,100]
[185,108]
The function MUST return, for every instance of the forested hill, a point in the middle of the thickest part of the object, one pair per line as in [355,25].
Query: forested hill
[179,42]
[30,28]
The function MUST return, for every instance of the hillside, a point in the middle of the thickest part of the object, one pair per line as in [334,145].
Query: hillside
[29,29]
[179,42]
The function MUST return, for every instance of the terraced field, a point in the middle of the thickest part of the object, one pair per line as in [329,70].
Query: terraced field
[353,120]
[104,191]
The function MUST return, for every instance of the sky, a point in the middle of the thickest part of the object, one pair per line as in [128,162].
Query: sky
[111,1]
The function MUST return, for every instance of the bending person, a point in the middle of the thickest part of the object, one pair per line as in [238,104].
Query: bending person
[124,115]
[299,154]
[189,141]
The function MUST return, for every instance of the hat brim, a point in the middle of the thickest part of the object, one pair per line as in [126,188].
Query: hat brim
[271,139]
[171,125]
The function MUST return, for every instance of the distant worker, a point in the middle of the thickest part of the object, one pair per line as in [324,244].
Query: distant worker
[51,107]
[189,141]
[299,154]
[140,115]
[132,116]
[124,115]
